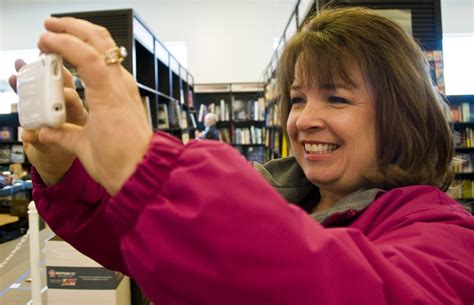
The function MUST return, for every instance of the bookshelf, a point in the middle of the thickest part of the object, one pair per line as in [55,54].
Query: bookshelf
[462,115]
[15,193]
[166,87]
[12,156]
[240,114]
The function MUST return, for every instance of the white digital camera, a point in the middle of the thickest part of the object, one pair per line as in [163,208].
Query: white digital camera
[39,86]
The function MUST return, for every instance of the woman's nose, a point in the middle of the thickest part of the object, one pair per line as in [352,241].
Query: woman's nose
[311,116]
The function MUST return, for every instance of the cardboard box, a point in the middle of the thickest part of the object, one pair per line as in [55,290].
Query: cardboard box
[75,279]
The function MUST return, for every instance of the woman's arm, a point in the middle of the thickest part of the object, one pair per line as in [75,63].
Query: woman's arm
[75,210]
[200,226]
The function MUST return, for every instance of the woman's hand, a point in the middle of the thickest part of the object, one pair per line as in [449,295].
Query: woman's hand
[52,161]
[116,136]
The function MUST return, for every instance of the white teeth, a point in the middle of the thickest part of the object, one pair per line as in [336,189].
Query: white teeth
[320,148]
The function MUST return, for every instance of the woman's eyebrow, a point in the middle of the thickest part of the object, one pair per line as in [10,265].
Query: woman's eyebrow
[346,86]
[329,86]
[295,87]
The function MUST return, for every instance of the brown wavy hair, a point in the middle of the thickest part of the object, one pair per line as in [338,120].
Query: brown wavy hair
[415,141]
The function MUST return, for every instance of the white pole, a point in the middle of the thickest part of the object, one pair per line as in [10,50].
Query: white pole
[35,254]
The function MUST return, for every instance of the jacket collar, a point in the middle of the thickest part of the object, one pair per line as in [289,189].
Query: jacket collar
[287,177]
[347,208]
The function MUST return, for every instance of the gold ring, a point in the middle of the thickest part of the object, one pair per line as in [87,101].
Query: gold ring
[115,55]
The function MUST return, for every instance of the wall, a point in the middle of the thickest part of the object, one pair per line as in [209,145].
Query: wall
[228,41]
[457,16]
[1,25]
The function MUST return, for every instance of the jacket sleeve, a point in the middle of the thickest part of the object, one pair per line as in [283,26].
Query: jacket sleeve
[197,224]
[75,211]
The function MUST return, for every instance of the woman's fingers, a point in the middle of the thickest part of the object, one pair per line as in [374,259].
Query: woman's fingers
[75,112]
[19,63]
[12,79]
[68,80]
[12,82]
[29,136]
[95,35]
[81,55]
[68,137]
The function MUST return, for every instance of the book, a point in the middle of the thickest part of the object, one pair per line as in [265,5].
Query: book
[224,115]
[202,113]
[14,107]
[455,113]
[20,134]
[224,135]
[146,106]
[181,96]
[184,119]
[466,113]
[255,153]
[190,99]
[192,116]
[284,146]
[163,117]
[6,134]
[5,152]
[17,154]
[185,138]
[435,61]
[174,113]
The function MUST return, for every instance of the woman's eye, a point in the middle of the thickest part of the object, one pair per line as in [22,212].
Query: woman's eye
[296,100]
[338,100]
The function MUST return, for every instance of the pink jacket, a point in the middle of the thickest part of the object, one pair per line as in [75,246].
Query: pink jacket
[244,244]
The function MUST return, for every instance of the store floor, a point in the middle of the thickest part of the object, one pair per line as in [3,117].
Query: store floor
[15,288]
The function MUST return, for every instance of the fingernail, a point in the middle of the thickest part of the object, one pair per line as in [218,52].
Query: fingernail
[46,35]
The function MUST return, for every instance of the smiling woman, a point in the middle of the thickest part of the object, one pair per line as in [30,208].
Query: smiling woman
[331,128]
[369,222]
[404,132]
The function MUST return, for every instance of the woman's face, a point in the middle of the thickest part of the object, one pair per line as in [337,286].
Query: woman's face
[332,133]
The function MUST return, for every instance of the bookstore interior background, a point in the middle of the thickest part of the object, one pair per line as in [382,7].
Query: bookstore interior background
[194,57]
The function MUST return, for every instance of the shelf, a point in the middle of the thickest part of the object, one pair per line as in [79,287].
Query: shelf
[464,149]
[8,163]
[246,87]
[248,145]
[464,175]
[463,124]
[223,124]
[146,88]
[249,123]
[191,109]
[274,152]
[165,96]
[9,119]
[459,99]
[212,88]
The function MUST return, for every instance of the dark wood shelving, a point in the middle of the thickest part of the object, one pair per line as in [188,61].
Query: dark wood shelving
[464,149]
[159,76]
